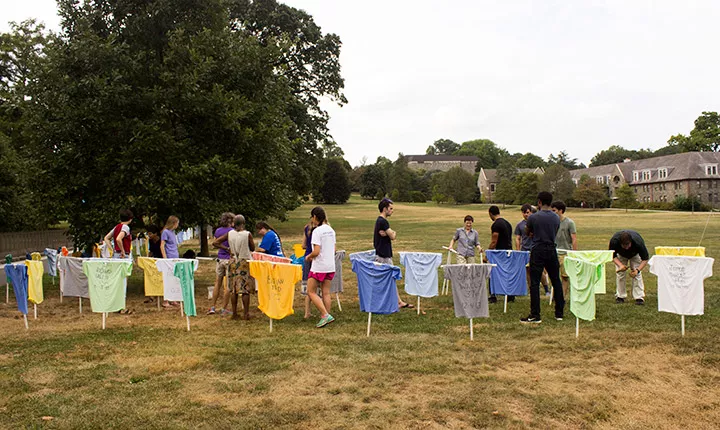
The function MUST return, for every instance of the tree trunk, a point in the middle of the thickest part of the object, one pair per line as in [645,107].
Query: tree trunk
[204,248]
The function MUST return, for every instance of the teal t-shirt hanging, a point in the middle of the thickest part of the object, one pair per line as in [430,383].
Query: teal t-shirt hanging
[184,271]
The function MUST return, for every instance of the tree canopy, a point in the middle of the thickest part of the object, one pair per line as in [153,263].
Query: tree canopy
[177,107]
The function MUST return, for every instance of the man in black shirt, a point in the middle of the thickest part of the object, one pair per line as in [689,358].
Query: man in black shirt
[501,238]
[631,253]
[383,237]
[543,227]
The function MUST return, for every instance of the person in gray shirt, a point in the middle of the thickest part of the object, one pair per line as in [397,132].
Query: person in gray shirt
[566,239]
[467,239]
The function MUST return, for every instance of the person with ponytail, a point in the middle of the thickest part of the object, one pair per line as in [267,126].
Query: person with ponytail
[322,268]
[270,243]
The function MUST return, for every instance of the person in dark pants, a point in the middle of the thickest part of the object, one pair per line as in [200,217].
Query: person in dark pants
[543,227]
[501,239]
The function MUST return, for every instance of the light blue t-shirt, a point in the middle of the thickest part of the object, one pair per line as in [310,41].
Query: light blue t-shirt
[171,244]
[376,286]
[18,276]
[271,244]
[509,277]
[421,276]
[363,255]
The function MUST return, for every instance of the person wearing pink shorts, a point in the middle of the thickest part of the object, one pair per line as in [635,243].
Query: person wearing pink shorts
[322,266]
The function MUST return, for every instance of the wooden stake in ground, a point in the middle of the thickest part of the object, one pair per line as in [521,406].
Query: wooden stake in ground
[505,310]
[682,324]
[35,309]
[577,327]
[158,301]
[472,335]
[104,316]
[337,295]
[187,318]
[369,320]
[181,310]
[80,302]
[26,323]
[270,325]
[418,306]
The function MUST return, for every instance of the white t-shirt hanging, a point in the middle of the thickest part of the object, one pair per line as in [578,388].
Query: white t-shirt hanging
[172,290]
[680,283]
[324,236]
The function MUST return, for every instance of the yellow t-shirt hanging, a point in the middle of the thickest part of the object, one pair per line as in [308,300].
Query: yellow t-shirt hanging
[276,287]
[35,284]
[153,277]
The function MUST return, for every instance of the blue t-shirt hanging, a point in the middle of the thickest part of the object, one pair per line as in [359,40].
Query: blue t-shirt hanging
[421,276]
[376,286]
[363,255]
[509,277]
[18,276]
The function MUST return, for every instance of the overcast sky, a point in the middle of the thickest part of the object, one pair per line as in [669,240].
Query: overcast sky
[533,76]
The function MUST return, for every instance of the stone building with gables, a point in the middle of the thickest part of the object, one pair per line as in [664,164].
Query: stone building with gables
[488,180]
[662,179]
[442,162]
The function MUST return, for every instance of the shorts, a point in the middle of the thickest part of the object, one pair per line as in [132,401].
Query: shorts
[563,273]
[321,277]
[221,266]
[239,280]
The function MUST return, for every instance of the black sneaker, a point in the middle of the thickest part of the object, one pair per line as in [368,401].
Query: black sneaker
[531,320]
[640,302]
[619,300]
[492,299]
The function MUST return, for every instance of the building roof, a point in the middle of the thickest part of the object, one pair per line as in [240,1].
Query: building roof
[687,165]
[431,158]
[491,174]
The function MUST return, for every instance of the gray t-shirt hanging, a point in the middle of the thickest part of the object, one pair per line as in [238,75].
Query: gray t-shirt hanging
[337,284]
[470,295]
[73,281]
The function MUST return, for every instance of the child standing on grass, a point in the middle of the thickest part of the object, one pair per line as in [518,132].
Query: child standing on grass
[322,269]
[120,235]
[168,245]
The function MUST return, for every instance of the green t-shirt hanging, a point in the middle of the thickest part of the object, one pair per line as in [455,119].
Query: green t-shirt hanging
[596,257]
[583,276]
[106,283]
[184,271]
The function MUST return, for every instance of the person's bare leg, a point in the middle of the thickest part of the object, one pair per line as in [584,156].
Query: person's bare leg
[307,305]
[327,297]
[565,286]
[227,298]
[234,299]
[217,290]
[246,306]
[317,301]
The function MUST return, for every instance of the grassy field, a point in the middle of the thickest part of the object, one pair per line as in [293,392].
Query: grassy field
[629,369]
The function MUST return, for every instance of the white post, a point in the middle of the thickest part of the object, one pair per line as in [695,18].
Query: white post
[158,301]
[472,334]
[104,316]
[418,306]
[270,325]
[552,292]
[577,327]
[337,295]
[187,318]
[505,309]
[682,324]
[35,309]
[26,323]
[80,302]
[369,318]
[181,310]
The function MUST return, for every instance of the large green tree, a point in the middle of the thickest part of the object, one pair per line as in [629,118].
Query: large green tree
[182,107]
[442,147]
[625,197]
[459,185]
[705,136]
[558,181]
[336,186]
[563,159]
[488,153]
